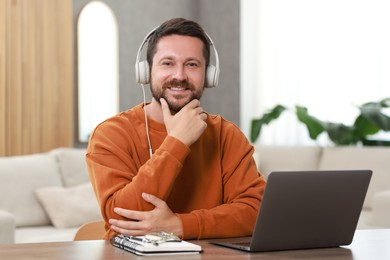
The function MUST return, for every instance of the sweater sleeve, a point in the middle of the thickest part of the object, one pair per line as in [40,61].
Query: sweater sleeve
[119,179]
[243,188]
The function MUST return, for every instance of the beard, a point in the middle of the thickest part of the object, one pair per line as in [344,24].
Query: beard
[177,101]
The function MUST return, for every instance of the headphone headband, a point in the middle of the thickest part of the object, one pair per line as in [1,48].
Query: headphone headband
[142,68]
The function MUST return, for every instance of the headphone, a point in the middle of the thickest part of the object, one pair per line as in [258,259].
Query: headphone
[142,68]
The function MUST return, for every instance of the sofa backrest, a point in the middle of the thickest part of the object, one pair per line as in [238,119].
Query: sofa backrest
[376,159]
[286,158]
[72,165]
[20,176]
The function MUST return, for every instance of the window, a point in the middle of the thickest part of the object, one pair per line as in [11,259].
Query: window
[327,55]
[98,76]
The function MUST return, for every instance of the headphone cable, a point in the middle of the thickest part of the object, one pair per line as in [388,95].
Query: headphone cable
[146,122]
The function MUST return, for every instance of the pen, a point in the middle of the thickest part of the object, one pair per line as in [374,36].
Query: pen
[143,240]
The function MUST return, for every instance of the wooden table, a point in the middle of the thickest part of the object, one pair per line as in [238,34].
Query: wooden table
[367,245]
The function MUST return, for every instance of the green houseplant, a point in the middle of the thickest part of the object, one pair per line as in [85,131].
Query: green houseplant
[369,122]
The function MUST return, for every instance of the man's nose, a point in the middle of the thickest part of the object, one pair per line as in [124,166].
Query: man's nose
[180,73]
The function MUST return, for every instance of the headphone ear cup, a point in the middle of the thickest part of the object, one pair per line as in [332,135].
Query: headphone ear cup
[142,72]
[212,75]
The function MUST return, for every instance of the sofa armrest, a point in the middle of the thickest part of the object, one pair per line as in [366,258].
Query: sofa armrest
[381,209]
[7,227]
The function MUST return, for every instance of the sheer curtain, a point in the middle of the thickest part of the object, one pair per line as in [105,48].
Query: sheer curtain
[327,55]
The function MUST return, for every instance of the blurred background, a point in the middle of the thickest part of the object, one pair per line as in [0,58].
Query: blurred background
[66,65]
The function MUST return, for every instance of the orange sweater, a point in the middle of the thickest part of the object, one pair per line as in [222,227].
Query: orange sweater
[213,186]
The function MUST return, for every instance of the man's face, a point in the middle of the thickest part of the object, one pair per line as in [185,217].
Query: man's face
[178,71]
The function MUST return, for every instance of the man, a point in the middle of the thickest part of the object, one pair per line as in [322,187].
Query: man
[201,180]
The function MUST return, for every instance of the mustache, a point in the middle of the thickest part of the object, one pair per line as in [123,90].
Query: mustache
[175,83]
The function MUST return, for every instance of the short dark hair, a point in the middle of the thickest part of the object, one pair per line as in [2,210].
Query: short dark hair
[179,26]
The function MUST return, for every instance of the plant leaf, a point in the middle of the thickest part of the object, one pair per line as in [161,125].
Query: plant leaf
[341,134]
[268,117]
[385,102]
[372,112]
[255,129]
[314,125]
[363,127]
[375,142]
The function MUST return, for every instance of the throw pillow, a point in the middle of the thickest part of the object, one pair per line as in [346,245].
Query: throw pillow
[69,206]
[72,165]
[20,176]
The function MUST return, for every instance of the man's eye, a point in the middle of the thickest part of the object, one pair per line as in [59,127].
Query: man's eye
[192,64]
[167,63]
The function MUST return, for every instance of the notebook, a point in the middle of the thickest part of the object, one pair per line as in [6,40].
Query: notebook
[141,245]
[307,209]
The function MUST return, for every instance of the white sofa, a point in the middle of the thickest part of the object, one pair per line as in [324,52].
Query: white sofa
[45,197]
[376,208]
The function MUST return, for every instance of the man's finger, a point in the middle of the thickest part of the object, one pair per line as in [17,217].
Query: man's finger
[203,116]
[194,103]
[153,200]
[127,227]
[129,232]
[129,214]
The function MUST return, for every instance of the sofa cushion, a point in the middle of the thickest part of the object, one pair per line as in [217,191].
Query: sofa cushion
[70,206]
[286,158]
[376,159]
[72,164]
[19,177]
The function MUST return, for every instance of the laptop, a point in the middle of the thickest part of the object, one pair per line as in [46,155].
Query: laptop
[305,210]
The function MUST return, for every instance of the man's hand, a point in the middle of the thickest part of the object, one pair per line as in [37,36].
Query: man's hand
[188,124]
[139,223]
